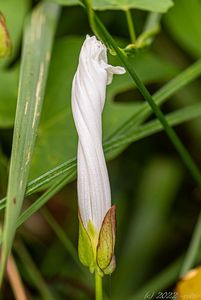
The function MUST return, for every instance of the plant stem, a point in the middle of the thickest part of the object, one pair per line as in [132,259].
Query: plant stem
[130,26]
[98,286]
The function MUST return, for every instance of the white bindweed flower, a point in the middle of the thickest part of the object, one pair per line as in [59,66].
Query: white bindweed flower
[88,98]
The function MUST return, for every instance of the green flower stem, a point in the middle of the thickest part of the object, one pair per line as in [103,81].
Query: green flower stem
[98,286]
[130,26]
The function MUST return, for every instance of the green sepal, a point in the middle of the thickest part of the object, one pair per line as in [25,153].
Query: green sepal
[5,43]
[85,249]
[106,242]
[111,267]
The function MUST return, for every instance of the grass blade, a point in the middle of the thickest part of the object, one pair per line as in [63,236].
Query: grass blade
[37,45]
[177,117]
[44,198]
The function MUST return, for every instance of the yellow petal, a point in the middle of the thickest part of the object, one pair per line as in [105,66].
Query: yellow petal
[190,286]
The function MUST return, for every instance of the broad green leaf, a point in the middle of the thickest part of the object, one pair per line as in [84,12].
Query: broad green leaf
[57,137]
[150,5]
[14,12]
[37,44]
[154,5]
[8,96]
[183,22]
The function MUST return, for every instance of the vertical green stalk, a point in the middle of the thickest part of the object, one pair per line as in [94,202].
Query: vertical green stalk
[130,26]
[98,286]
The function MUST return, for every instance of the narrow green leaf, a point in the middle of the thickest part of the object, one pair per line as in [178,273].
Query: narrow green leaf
[38,38]
[177,117]
[57,186]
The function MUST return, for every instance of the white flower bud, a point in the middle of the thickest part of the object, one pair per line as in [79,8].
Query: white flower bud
[88,98]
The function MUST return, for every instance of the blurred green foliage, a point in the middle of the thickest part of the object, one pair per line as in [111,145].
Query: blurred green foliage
[157,202]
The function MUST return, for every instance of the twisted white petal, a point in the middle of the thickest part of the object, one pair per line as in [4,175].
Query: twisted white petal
[88,98]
